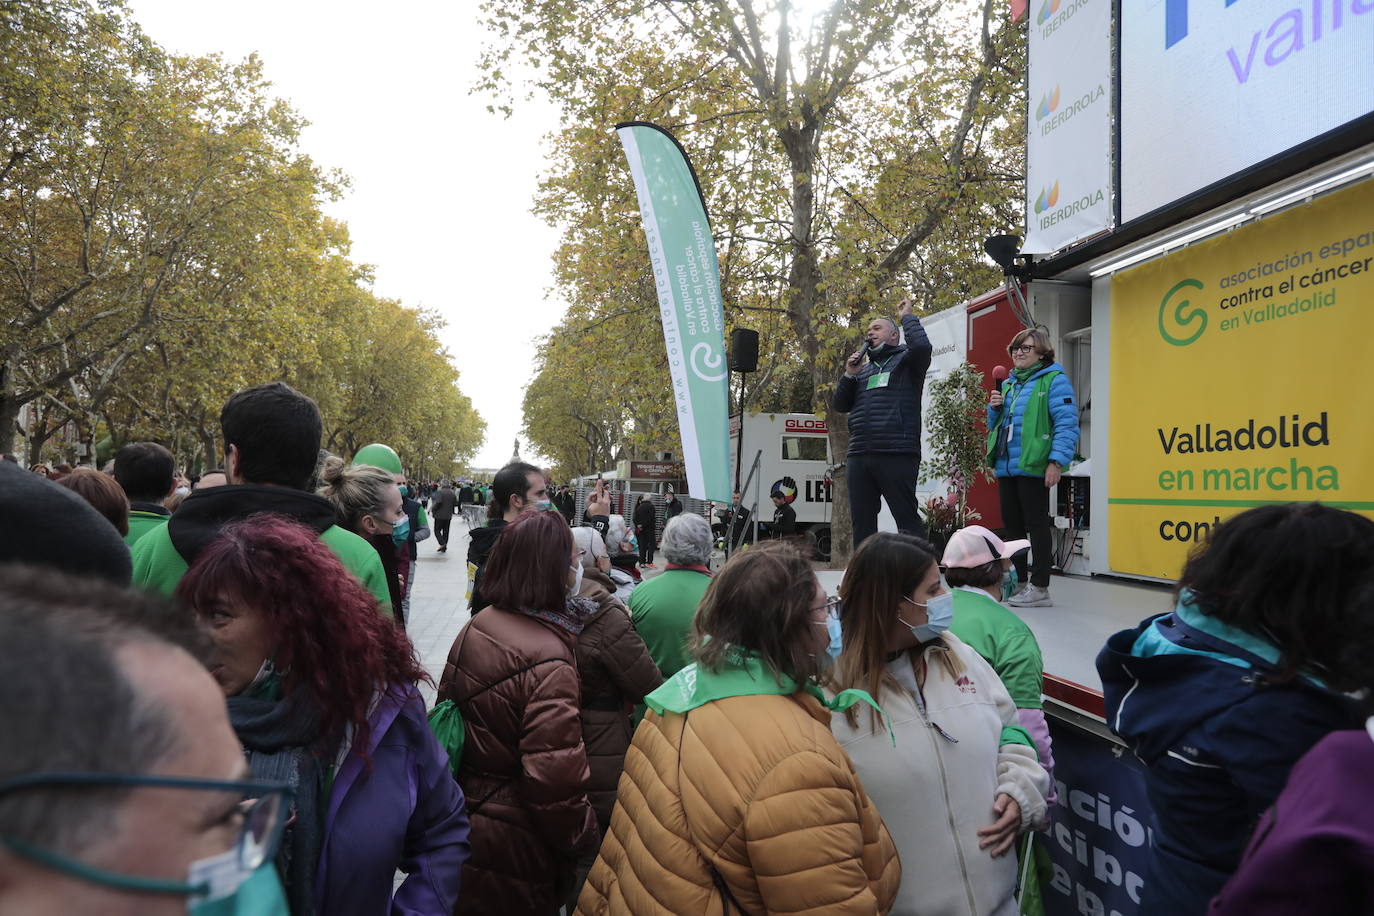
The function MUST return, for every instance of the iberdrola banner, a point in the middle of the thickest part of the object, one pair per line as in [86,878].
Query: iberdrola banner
[683,254]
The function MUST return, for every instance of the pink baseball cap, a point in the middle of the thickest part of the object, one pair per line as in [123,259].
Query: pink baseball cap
[976,545]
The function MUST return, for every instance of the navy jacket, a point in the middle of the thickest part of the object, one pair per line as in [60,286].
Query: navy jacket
[1219,740]
[888,420]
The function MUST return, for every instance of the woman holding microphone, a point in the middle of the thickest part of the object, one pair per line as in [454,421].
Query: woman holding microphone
[1032,436]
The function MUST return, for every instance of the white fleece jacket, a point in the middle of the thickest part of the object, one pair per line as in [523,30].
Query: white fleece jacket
[936,788]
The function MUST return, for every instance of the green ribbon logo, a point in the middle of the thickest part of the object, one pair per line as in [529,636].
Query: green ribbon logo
[1180,319]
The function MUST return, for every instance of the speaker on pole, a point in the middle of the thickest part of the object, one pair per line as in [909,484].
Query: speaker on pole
[744,350]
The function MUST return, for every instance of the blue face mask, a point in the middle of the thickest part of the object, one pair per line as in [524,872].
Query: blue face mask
[400,531]
[1010,580]
[405,490]
[939,615]
[242,881]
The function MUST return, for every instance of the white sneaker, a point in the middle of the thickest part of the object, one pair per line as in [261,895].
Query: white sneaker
[1031,596]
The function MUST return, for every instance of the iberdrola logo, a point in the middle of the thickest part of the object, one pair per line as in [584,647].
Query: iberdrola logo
[1048,103]
[1045,202]
[1049,9]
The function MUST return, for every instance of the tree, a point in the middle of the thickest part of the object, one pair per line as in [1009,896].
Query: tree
[846,160]
[162,245]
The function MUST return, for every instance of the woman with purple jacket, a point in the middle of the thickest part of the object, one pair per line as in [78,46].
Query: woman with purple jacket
[321,692]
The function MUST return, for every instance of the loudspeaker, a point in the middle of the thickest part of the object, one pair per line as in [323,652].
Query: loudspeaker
[744,350]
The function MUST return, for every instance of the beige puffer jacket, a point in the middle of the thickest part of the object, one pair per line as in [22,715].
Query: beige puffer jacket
[747,801]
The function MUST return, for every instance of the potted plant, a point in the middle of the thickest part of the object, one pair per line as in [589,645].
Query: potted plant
[957,424]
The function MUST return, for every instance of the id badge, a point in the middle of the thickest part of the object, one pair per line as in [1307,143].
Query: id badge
[878,380]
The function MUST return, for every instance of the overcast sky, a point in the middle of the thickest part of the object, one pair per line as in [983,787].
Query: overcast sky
[441,195]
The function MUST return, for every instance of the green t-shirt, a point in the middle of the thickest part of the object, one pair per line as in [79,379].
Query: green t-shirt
[1005,641]
[140,523]
[662,609]
[158,567]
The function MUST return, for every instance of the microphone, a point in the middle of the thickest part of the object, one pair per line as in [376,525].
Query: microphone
[999,375]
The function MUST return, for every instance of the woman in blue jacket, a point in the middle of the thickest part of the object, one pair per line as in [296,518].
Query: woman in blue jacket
[1032,435]
[1220,697]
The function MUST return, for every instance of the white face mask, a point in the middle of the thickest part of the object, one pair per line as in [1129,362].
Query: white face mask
[577,582]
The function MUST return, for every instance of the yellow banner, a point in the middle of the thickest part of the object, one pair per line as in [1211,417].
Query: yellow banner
[1238,379]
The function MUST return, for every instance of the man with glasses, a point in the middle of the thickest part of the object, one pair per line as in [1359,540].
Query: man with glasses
[121,785]
[881,391]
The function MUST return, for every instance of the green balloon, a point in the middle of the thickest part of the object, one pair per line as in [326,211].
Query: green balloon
[379,456]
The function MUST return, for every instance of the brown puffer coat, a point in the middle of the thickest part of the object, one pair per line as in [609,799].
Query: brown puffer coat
[524,771]
[616,670]
[748,797]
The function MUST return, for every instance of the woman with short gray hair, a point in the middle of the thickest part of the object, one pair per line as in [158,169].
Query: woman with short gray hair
[687,540]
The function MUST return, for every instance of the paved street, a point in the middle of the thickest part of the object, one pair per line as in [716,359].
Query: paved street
[438,601]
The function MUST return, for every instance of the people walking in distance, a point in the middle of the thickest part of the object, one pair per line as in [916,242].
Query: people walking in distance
[646,529]
[321,693]
[367,502]
[146,472]
[979,572]
[734,769]
[1032,437]
[881,392]
[664,607]
[512,673]
[616,672]
[122,787]
[444,504]
[1221,696]
[272,442]
[104,495]
[962,782]
[517,487]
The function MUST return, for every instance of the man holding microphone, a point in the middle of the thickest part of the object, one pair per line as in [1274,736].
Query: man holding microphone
[881,392]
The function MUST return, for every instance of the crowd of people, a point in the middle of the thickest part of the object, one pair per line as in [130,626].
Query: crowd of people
[216,707]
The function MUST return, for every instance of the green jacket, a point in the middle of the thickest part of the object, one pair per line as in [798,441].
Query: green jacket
[1005,641]
[662,609]
[161,556]
[141,522]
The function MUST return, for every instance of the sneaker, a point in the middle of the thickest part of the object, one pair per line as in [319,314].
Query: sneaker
[443,548]
[1031,596]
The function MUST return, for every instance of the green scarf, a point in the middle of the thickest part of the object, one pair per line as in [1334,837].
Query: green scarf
[1022,374]
[746,675]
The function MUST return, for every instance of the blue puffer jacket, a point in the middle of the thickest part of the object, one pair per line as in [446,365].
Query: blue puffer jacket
[888,419]
[1199,703]
[1063,420]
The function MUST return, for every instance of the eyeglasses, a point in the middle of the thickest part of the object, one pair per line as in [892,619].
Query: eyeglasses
[264,812]
[831,607]
[1024,348]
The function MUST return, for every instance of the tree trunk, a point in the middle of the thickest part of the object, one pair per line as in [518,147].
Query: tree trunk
[10,406]
[207,444]
[9,421]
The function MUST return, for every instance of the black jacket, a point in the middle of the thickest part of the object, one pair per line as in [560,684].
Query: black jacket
[445,502]
[888,420]
[646,520]
[784,521]
[481,541]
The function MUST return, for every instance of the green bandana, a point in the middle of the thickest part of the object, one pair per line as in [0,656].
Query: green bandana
[1022,374]
[695,686]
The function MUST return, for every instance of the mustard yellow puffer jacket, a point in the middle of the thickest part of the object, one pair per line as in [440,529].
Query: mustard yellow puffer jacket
[747,798]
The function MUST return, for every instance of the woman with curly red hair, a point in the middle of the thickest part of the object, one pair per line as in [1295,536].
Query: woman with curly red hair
[321,692]
[512,673]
